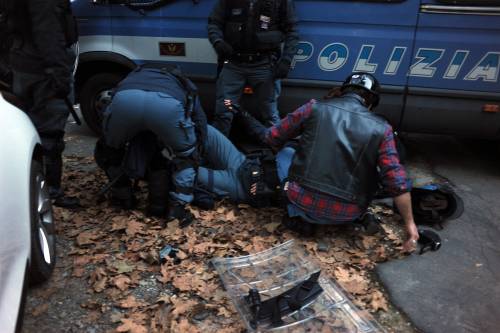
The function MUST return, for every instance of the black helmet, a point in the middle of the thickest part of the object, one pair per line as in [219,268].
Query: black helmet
[365,81]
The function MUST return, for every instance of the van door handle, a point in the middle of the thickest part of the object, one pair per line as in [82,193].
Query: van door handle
[460,10]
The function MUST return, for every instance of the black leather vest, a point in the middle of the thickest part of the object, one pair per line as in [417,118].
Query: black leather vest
[254,25]
[338,150]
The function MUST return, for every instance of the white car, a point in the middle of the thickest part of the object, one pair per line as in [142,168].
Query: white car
[27,233]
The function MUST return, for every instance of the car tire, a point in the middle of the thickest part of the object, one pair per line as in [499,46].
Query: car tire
[43,234]
[94,97]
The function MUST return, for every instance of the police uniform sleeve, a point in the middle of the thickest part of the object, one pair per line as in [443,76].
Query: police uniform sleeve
[289,28]
[215,25]
[49,38]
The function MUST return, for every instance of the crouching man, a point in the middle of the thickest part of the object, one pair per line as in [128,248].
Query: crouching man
[154,123]
[343,154]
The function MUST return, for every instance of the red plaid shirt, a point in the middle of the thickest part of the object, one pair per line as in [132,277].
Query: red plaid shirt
[322,205]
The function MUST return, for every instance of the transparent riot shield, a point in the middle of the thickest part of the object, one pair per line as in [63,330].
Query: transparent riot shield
[282,290]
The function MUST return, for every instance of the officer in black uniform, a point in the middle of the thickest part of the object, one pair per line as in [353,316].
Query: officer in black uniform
[256,41]
[42,33]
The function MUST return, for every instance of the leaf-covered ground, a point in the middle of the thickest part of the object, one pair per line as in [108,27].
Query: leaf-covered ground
[109,277]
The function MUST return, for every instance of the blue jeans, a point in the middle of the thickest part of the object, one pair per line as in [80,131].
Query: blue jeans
[134,111]
[232,80]
[220,175]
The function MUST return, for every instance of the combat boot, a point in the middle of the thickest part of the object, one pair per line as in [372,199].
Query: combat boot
[177,210]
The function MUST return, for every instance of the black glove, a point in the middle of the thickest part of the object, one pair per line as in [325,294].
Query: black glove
[60,81]
[223,49]
[282,68]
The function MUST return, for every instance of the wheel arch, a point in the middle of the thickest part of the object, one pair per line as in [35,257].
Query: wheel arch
[96,62]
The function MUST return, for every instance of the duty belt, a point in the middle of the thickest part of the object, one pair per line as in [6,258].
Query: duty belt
[250,57]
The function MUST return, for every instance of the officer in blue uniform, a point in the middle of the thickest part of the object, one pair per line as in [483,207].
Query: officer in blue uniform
[256,41]
[158,99]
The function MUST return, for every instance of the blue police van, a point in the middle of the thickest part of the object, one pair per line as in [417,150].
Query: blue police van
[438,60]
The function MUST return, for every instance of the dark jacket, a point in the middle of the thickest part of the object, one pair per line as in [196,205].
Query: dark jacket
[338,150]
[40,37]
[251,26]
[154,78]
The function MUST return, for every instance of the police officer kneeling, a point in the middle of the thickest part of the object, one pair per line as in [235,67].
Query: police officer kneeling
[155,99]
[344,153]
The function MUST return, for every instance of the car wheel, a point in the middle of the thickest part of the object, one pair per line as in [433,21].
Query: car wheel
[95,97]
[43,235]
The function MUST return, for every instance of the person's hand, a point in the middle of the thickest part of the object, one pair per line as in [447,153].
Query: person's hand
[282,69]
[229,105]
[223,49]
[410,244]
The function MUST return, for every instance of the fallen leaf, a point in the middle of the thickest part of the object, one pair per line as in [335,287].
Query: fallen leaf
[134,227]
[122,282]
[181,307]
[40,309]
[378,301]
[130,326]
[271,227]
[130,302]
[86,238]
[121,266]
[78,271]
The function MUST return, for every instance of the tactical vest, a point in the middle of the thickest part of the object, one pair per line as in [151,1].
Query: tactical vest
[338,150]
[19,24]
[254,25]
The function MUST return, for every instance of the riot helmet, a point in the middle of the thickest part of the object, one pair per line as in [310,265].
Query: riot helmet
[368,83]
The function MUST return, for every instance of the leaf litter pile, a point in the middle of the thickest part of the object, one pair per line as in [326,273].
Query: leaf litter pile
[114,255]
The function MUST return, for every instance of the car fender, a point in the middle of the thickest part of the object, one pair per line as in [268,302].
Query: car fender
[18,140]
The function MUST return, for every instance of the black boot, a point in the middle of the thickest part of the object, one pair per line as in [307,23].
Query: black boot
[59,199]
[53,147]
[123,197]
[158,186]
[298,225]
[180,212]
[369,224]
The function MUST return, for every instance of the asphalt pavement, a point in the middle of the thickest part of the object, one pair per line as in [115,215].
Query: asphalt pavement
[457,288]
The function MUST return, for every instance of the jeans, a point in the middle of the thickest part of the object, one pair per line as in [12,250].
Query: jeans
[134,111]
[220,175]
[232,80]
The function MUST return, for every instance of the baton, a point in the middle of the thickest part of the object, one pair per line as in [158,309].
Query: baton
[72,111]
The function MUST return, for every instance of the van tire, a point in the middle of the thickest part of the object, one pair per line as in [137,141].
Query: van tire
[95,93]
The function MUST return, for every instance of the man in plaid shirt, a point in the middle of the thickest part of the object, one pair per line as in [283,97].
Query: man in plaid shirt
[360,154]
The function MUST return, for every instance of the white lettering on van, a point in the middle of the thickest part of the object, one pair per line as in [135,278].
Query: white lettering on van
[304,52]
[363,62]
[333,56]
[425,59]
[456,64]
[486,69]
[395,60]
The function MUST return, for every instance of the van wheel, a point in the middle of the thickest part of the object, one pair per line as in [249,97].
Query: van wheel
[95,96]
[43,234]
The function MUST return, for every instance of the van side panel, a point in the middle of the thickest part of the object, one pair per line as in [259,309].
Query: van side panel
[455,70]
[340,37]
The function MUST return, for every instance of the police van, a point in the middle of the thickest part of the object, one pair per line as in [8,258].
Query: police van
[438,60]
